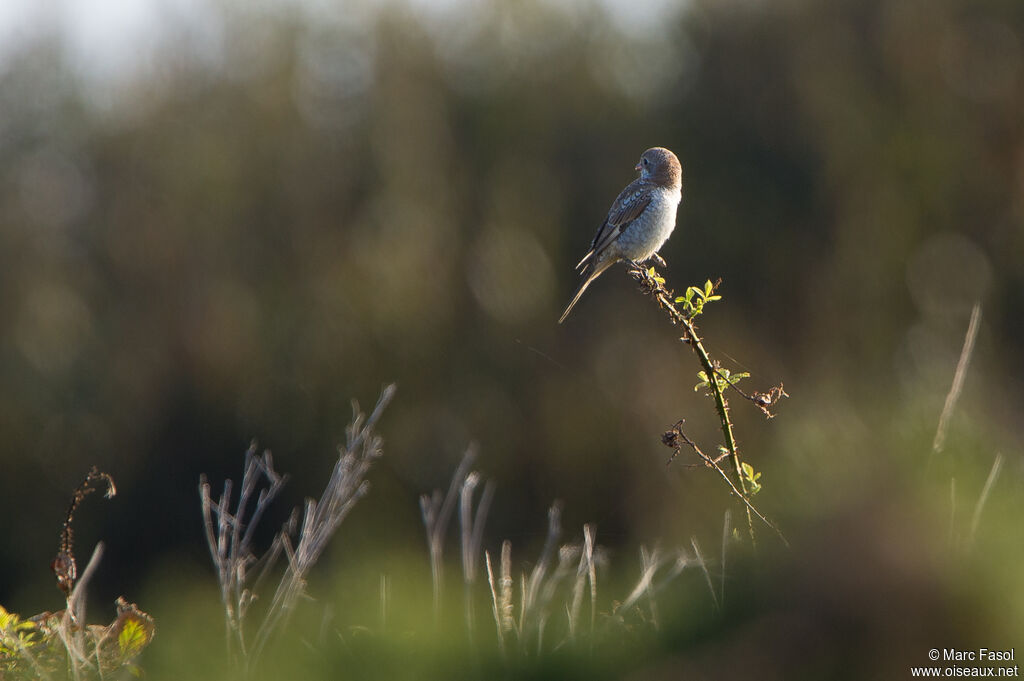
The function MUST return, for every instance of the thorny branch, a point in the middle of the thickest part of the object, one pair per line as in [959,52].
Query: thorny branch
[654,286]
[672,438]
[762,401]
[63,566]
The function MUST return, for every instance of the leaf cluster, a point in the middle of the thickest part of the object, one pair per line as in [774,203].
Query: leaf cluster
[51,643]
[695,298]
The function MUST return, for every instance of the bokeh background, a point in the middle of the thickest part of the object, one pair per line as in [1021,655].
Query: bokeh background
[223,220]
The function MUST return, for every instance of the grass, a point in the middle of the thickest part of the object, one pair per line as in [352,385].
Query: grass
[553,611]
[862,589]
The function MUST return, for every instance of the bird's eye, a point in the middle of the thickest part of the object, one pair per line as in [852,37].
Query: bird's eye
[644,161]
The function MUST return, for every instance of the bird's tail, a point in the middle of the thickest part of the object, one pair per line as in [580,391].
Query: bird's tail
[589,277]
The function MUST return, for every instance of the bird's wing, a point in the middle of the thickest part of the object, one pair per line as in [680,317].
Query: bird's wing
[627,207]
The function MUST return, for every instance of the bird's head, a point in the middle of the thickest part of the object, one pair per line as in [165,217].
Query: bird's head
[659,165]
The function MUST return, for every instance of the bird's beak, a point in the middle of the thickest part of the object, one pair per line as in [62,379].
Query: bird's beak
[637,168]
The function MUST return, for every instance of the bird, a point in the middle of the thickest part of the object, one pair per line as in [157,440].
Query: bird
[640,220]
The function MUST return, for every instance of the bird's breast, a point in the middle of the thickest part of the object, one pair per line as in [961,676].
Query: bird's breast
[645,235]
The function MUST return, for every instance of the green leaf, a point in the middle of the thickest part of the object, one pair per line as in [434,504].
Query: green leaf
[736,378]
[748,470]
[704,383]
[17,635]
[7,619]
[752,477]
[135,635]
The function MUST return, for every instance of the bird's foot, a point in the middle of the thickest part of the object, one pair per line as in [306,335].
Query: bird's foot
[659,260]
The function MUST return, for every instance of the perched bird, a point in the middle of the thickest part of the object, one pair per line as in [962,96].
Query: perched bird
[640,220]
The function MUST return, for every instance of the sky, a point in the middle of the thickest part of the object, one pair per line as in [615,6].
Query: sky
[110,40]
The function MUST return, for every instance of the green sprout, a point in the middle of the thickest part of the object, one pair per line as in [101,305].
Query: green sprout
[695,298]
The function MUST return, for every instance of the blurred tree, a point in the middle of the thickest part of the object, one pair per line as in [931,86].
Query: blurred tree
[248,234]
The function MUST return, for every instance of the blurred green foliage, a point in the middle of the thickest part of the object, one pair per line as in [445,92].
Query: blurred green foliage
[299,204]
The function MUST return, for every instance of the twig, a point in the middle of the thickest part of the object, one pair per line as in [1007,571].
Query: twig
[760,400]
[651,562]
[545,577]
[471,531]
[993,474]
[436,511]
[63,565]
[704,569]
[678,434]
[72,628]
[726,524]
[496,608]
[654,286]
[952,512]
[958,381]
